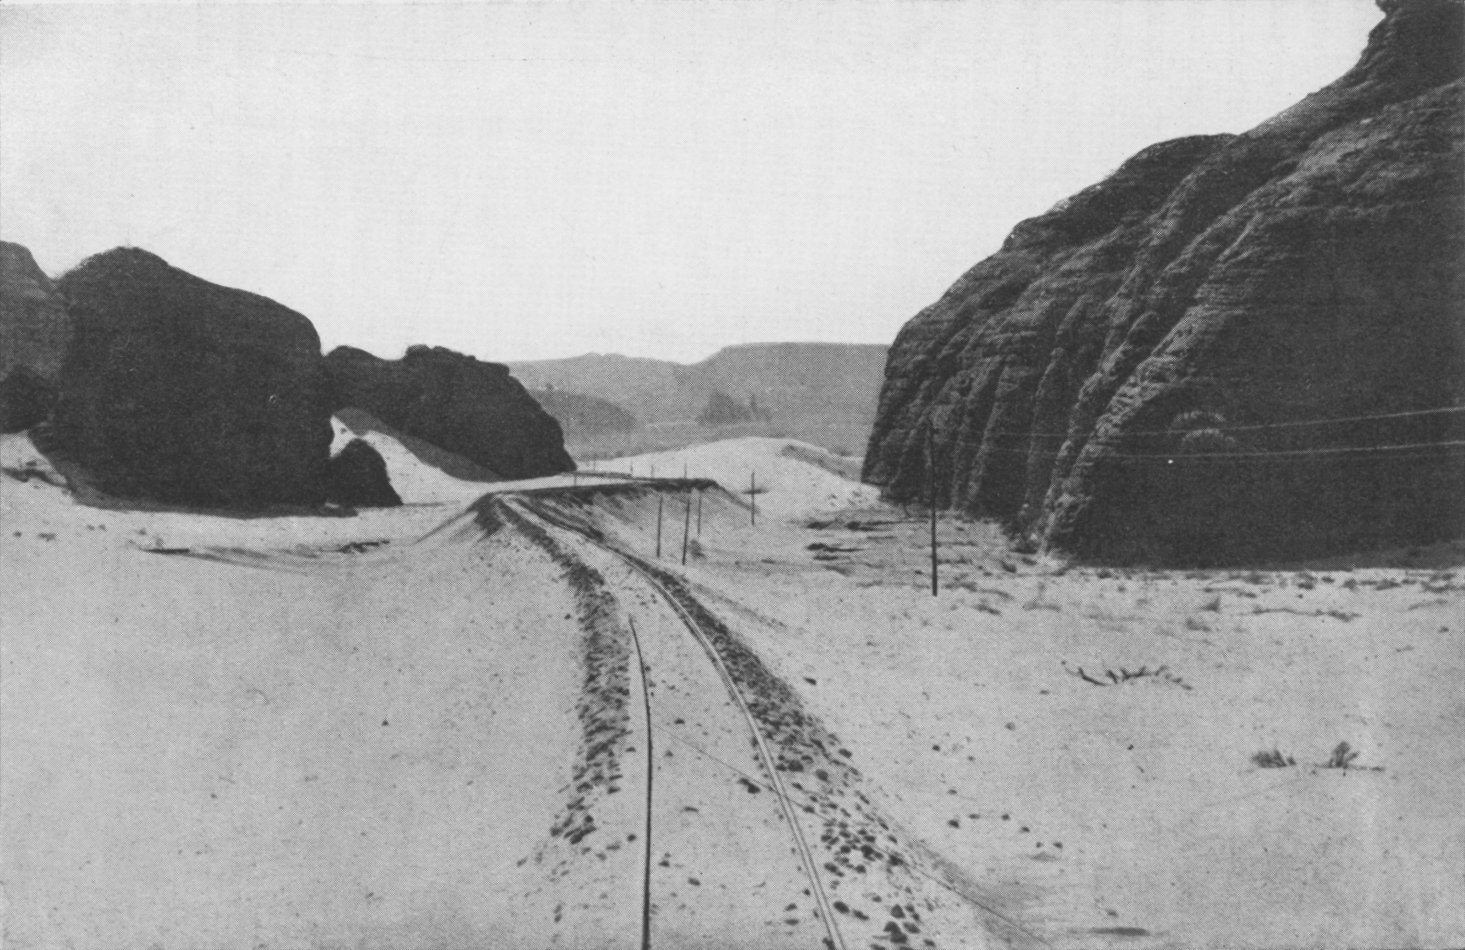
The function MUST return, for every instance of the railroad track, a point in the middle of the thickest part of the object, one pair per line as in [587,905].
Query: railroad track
[674,598]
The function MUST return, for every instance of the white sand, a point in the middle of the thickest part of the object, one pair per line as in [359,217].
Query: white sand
[787,487]
[413,480]
[195,754]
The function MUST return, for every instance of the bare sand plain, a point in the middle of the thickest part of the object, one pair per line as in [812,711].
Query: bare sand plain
[462,722]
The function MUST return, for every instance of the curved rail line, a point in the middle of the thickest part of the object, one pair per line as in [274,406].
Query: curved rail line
[834,940]
[650,774]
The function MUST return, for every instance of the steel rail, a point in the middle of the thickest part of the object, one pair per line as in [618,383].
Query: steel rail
[770,763]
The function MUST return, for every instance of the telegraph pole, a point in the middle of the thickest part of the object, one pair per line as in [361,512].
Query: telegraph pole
[687,528]
[931,495]
[660,500]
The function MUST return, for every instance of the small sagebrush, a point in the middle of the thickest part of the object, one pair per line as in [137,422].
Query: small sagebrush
[1342,757]
[1272,759]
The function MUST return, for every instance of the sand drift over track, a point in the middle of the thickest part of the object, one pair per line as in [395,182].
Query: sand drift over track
[761,832]
[512,727]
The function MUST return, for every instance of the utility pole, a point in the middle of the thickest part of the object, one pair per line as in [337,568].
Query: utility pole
[699,512]
[660,500]
[687,528]
[931,496]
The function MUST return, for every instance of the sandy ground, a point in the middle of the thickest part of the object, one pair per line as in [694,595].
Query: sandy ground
[402,729]
[791,479]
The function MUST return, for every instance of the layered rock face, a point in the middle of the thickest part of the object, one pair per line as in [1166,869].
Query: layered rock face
[1234,347]
[34,334]
[472,409]
[181,391]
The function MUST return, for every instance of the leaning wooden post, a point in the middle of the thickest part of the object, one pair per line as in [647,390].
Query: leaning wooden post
[753,496]
[931,495]
[687,528]
[660,500]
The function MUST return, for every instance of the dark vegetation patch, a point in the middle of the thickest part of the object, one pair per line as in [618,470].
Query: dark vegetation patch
[1109,677]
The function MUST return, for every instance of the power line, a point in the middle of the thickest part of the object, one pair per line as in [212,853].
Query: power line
[1279,453]
[1296,423]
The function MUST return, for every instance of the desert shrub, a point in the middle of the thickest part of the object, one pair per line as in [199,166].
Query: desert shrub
[1342,757]
[1272,759]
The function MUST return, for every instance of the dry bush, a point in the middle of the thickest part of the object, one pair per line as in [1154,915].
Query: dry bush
[1342,757]
[1272,759]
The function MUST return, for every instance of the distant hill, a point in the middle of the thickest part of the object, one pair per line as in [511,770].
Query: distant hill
[583,416]
[824,393]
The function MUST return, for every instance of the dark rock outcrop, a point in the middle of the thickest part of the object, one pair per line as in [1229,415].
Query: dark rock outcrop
[25,400]
[181,391]
[34,334]
[473,409]
[357,477]
[1235,347]
[34,327]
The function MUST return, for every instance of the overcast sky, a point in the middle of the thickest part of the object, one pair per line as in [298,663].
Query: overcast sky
[522,181]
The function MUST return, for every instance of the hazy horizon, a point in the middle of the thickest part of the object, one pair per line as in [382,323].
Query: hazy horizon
[540,181]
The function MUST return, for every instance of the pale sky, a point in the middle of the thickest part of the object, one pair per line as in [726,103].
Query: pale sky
[524,181]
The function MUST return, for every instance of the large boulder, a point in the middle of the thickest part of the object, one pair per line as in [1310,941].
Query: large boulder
[34,334]
[183,391]
[1234,347]
[357,477]
[470,408]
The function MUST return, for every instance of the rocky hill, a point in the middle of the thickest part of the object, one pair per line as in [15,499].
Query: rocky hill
[584,416]
[182,391]
[473,409]
[1234,347]
[819,392]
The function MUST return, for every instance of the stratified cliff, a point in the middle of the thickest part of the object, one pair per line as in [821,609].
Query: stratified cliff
[1234,347]
[177,390]
[473,409]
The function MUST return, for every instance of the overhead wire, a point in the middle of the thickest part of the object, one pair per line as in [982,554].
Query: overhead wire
[1419,447]
[1253,427]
